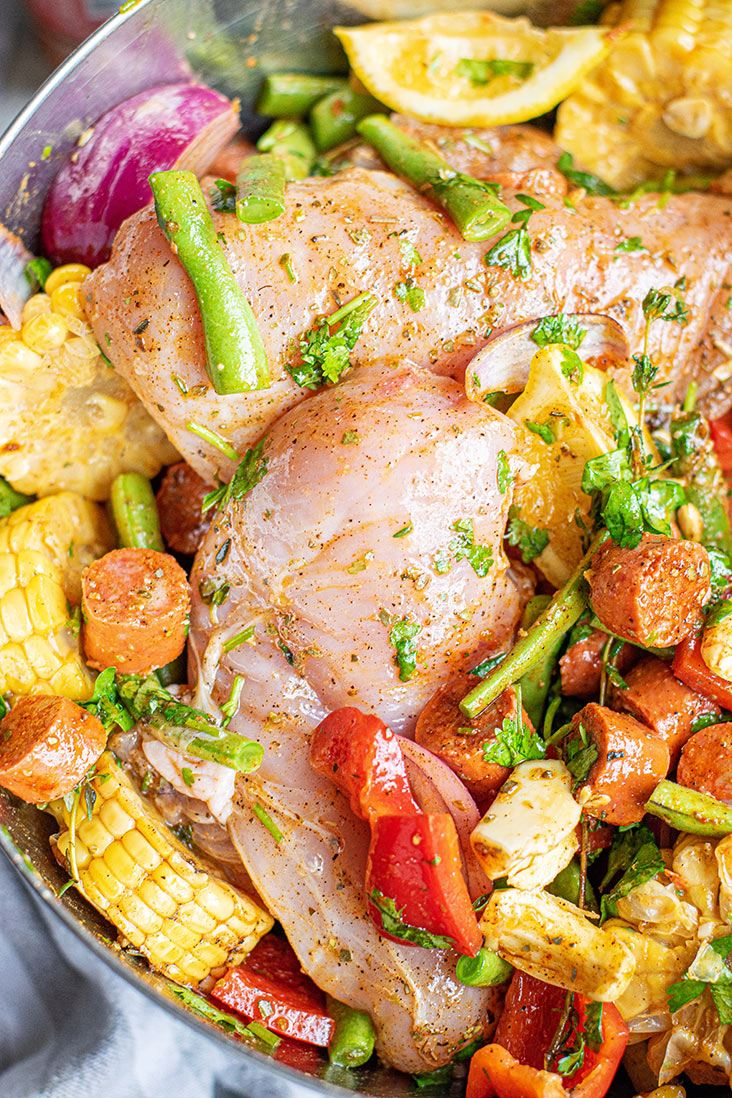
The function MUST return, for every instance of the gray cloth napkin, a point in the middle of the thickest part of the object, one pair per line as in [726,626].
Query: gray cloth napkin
[70,1027]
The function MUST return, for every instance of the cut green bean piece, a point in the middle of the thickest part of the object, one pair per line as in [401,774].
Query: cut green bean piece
[135,513]
[483,970]
[235,357]
[352,1043]
[230,750]
[560,615]
[260,189]
[290,140]
[473,205]
[689,810]
[289,94]
[536,682]
[333,119]
[566,885]
[10,500]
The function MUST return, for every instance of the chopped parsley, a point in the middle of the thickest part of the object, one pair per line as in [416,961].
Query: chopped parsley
[105,703]
[325,349]
[543,430]
[636,856]
[581,755]
[590,183]
[504,476]
[247,475]
[516,742]
[187,776]
[631,244]
[629,508]
[350,438]
[480,72]
[530,540]
[402,636]
[402,533]
[572,366]
[391,922]
[213,591]
[409,292]
[223,196]
[410,255]
[562,328]
[720,987]
[462,546]
[513,250]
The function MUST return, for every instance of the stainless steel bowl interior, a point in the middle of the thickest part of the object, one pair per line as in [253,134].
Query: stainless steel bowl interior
[230,44]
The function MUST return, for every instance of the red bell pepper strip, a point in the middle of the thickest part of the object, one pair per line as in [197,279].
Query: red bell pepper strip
[415,887]
[689,666]
[721,433]
[363,758]
[593,1079]
[270,988]
[414,874]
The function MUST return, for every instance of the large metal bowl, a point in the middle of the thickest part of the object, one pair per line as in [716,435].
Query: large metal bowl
[230,44]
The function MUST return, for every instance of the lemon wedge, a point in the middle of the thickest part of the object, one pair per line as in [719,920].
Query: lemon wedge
[472,68]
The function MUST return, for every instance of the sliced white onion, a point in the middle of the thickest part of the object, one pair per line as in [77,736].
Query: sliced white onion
[15,288]
[503,364]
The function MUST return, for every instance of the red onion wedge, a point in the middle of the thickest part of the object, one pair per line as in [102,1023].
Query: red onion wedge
[15,289]
[436,788]
[502,366]
[105,179]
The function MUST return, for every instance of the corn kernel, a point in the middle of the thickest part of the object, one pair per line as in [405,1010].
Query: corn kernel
[105,880]
[141,914]
[69,272]
[15,614]
[122,866]
[158,900]
[38,305]
[45,333]
[171,883]
[141,851]
[181,935]
[66,300]
[107,412]
[115,819]
[164,951]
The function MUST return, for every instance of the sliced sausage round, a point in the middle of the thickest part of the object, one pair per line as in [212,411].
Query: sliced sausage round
[460,742]
[580,667]
[651,595]
[706,762]
[47,745]
[179,499]
[617,760]
[135,608]
[656,698]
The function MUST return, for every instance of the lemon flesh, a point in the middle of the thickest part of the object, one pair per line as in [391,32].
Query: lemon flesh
[434,68]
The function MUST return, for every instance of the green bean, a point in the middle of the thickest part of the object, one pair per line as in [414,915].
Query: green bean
[471,204]
[689,810]
[353,1039]
[135,513]
[230,750]
[260,189]
[10,500]
[290,94]
[536,682]
[290,140]
[566,884]
[333,119]
[235,357]
[483,970]
[560,615]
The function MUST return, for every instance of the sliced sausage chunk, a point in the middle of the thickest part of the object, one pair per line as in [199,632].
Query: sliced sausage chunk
[135,606]
[617,760]
[706,762]
[580,667]
[179,499]
[652,595]
[47,745]
[460,742]
[658,699]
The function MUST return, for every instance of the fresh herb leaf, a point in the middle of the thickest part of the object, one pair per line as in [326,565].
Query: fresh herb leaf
[543,430]
[213,591]
[350,438]
[646,862]
[480,72]
[513,250]
[631,244]
[591,183]
[617,415]
[572,366]
[150,703]
[410,255]
[106,705]
[37,271]
[187,776]
[582,755]
[402,533]
[391,922]
[562,328]
[516,742]
[665,305]
[592,1030]
[682,992]
[247,475]
[410,292]
[223,196]
[504,476]
[325,349]
[402,635]
[644,373]
[530,540]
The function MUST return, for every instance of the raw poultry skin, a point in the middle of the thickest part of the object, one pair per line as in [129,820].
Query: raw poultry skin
[313,563]
[346,234]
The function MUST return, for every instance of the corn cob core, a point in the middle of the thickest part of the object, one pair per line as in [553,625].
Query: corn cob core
[663,98]
[67,420]
[163,900]
[70,530]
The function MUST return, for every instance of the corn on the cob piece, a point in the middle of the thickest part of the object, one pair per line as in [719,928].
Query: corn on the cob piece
[186,922]
[69,529]
[67,420]
[663,98]
[39,653]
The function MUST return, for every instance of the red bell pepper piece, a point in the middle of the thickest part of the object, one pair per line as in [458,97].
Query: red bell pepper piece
[689,666]
[363,758]
[414,879]
[415,862]
[721,433]
[270,988]
[525,1030]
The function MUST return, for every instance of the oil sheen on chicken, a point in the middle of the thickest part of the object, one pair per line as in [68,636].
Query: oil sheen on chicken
[314,566]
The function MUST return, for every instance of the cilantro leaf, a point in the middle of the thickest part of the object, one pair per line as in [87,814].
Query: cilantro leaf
[531,540]
[326,353]
[543,430]
[682,992]
[572,366]
[391,922]
[626,845]
[36,272]
[513,250]
[247,475]
[410,292]
[223,196]
[591,183]
[504,476]
[631,244]
[105,703]
[593,1026]
[410,255]
[480,72]
[562,328]
[402,637]
[647,864]
[722,996]
[479,557]
[515,743]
